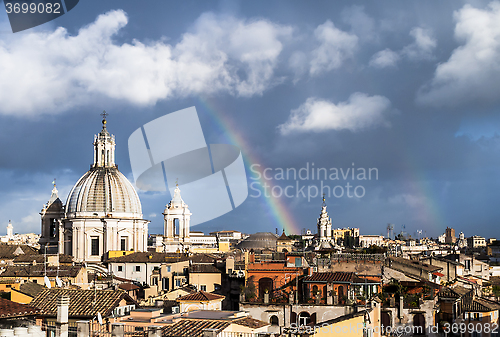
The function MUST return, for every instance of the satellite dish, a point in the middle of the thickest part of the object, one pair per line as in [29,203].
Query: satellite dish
[99,318]
[59,282]
[47,282]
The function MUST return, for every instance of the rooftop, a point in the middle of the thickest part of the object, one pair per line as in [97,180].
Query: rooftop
[9,309]
[8,252]
[338,277]
[204,268]
[201,296]
[39,271]
[82,303]
[149,257]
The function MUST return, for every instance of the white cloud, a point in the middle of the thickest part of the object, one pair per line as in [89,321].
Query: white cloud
[473,70]
[31,220]
[423,46]
[335,47]
[359,112]
[51,72]
[421,49]
[385,58]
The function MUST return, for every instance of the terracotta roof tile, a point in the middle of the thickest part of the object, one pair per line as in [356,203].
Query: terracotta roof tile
[193,327]
[283,237]
[149,257]
[81,301]
[31,288]
[204,268]
[203,258]
[9,252]
[39,271]
[40,258]
[338,276]
[479,304]
[200,296]
[10,309]
[251,322]
[128,286]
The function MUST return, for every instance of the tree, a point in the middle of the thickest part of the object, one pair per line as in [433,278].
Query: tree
[249,290]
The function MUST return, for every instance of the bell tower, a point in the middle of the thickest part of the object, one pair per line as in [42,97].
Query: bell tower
[324,224]
[52,214]
[176,224]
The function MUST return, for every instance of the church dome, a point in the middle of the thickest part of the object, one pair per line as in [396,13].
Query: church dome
[259,240]
[104,191]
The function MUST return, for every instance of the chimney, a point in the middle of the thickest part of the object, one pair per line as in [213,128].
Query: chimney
[62,309]
[251,257]
[62,316]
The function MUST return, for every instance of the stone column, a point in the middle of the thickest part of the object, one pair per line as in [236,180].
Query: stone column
[329,294]
[401,306]
[61,237]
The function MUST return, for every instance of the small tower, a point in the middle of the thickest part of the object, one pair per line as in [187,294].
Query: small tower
[176,224]
[104,147]
[324,224]
[10,231]
[52,214]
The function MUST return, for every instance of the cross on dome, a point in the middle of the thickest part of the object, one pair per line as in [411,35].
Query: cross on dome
[104,114]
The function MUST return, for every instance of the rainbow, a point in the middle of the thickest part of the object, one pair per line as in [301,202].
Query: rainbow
[279,212]
[429,212]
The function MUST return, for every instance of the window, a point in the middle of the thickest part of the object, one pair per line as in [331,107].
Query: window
[177,283]
[137,268]
[123,243]
[467,264]
[165,283]
[94,246]
[154,281]
[203,287]
[298,262]
[169,269]
[119,268]
[176,226]
[274,320]
[53,228]
[304,318]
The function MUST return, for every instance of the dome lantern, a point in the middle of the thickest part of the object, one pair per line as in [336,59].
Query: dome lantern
[104,147]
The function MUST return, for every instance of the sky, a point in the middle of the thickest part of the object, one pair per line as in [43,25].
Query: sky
[404,94]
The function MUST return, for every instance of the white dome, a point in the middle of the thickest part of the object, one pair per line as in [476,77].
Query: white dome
[105,191]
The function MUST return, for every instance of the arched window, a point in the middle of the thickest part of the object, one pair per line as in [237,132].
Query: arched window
[274,320]
[304,318]
[419,323]
[265,284]
[176,226]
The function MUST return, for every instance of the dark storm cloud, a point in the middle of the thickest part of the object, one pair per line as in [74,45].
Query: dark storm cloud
[251,65]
